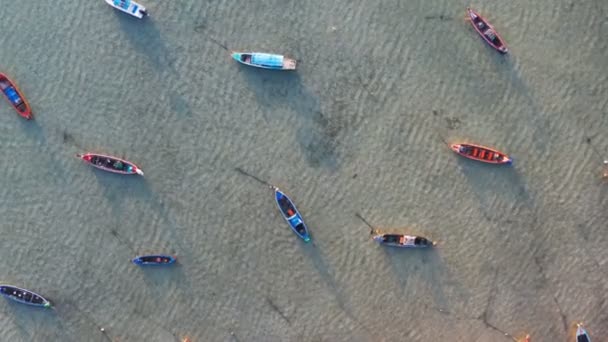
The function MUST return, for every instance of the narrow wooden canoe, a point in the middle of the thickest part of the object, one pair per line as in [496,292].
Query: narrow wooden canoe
[481,153]
[111,164]
[130,7]
[487,31]
[15,97]
[154,260]
[581,334]
[291,215]
[265,60]
[24,296]
[403,241]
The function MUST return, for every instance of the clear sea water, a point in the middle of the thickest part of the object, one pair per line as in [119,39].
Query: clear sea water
[359,128]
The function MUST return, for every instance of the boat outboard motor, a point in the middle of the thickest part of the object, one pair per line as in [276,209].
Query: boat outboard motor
[144,12]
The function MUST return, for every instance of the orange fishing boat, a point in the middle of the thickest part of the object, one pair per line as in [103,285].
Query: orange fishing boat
[481,153]
[15,97]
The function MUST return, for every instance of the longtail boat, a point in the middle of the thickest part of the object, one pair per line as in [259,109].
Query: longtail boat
[111,164]
[154,260]
[581,333]
[130,7]
[24,296]
[265,60]
[15,97]
[481,153]
[291,214]
[487,31]
[401,240]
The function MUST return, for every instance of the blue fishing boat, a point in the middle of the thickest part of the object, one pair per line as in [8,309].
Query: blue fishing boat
[160,259]
[265,60]
[291,215]
[130,7]
[24,296]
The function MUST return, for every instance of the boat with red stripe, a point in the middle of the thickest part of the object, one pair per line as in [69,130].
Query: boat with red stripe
[110,164]
[15,97]
[487,31]
[481,153]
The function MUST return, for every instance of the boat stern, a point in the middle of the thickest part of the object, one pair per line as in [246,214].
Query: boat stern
[455,147]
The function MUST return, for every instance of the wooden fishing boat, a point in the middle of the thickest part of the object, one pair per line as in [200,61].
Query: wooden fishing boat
[403,241]
[24,296]
[154,260]
[111,164]
[265,60]
[15,97]
[481,153]
[581,333]
[130,7]
[291,215]
[487,31]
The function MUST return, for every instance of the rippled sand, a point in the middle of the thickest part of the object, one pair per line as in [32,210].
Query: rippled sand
[359,128]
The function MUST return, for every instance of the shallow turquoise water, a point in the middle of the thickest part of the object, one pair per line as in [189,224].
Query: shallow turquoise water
[359,128]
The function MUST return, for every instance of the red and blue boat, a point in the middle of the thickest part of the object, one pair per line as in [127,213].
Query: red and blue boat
[110,164]
[15,97]
[487,31]
[159,259]
[291,215]
[481,153]
[24,296]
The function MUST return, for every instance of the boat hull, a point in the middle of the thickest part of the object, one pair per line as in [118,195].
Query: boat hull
[154,260]
[291,214]
[403,241]
[497,42]
[581,334]
[130,7]
[481,153]
[24,296]
[107,163]
[264,60]
[15,97]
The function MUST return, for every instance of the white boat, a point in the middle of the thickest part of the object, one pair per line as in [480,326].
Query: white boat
[128,6]
[581,334]
[265,60]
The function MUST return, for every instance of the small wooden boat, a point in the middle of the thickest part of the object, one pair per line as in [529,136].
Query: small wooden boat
[111,164]
[487,31]
[130,7]
[265,60]
[24,296]
[481,153]
[581,333]
[291,215]
[154,260]
[403,241]
[15,97]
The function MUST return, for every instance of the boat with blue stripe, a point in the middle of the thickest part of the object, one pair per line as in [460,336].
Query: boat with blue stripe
[291,215]
[159,259]
[265,60]
[130,7]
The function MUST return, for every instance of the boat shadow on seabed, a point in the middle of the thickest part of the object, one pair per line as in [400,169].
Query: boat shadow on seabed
[145,38]
[424,264]
[317,131]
